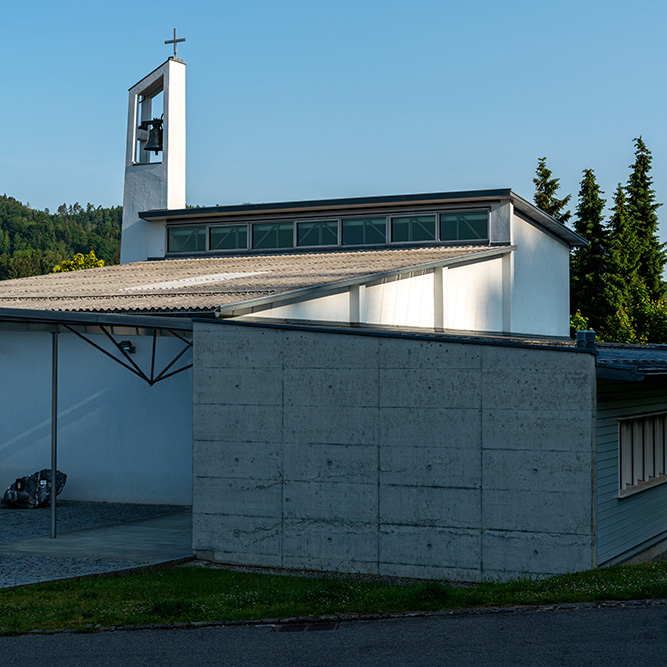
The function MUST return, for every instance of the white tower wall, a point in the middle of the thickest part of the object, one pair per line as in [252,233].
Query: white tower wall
[157,185]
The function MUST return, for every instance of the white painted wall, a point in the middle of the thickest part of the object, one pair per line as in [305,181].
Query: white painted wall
[404,302]
[119,440]
[474,296]
[331,308]
[162,184]
[540,296]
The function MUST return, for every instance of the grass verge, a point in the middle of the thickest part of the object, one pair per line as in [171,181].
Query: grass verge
[191,594]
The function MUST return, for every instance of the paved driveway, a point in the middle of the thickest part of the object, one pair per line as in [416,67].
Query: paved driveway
[92,538]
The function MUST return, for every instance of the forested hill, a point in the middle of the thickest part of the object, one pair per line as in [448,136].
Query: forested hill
[33,242]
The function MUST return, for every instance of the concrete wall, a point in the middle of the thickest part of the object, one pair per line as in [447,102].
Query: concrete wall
[119,440]
[388,455]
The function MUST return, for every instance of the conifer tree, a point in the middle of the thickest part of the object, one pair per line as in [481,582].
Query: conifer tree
[622,281]
[590,265]
[546,188]
[642,209]
[624,244]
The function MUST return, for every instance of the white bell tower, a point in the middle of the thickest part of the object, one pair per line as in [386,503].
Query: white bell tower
[154,178]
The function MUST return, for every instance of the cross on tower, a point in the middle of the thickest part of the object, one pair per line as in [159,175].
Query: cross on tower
[174,41]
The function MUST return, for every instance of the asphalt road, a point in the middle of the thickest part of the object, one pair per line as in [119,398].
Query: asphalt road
[623,636]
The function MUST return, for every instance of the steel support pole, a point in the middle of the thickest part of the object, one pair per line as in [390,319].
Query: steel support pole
[54,427]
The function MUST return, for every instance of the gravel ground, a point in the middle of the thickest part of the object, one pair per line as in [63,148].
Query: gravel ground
[18,569]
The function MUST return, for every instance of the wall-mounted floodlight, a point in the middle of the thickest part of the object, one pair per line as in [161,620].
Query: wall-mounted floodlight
[126,346]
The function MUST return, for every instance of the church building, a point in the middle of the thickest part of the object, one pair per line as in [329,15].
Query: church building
[380,384]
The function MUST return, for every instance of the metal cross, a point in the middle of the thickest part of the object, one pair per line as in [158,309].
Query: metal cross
[174,41]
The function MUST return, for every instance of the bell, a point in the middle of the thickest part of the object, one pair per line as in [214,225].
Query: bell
[154,142]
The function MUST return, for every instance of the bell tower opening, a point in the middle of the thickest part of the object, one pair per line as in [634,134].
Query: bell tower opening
[154,159]
[150,125]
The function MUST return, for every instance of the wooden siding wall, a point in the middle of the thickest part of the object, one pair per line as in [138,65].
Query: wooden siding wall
[625,524]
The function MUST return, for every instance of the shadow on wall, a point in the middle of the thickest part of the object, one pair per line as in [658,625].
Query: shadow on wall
[40,434]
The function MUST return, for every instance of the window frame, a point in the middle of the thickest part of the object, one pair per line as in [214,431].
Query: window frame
[639,451]
[463,211]
[340,220]
[187,253]
[335,219]
[230,250]
[436,226]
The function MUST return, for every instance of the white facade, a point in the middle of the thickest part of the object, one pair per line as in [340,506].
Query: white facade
[155,185]
[521,288]
[540,281]
[119,440]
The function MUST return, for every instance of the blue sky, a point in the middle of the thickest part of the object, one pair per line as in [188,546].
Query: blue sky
[297,99]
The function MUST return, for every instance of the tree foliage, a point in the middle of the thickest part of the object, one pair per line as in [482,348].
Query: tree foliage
[33,242]
[546,188]
[78,262]
[642,212]
[616,284]
[589,268]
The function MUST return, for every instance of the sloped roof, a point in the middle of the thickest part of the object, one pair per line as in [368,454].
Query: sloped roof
[200,285]
[620,361]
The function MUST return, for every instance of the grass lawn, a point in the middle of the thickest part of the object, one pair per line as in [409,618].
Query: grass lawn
[190,594]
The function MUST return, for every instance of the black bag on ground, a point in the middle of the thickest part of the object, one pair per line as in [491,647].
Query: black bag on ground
[33,490]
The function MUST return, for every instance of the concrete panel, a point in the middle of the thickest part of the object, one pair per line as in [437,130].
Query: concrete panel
[538,511]
[496,357]
[536,430]
[433,427]
[321,424]
[356,464]
[237,423]
[238,540]
[454,551]
[326,545]
[320,350]
[536,391]
[401,464]
[430,467]
[521,470]
[238,386]
[427,572]
[400,353]
[237,497]
[331,501]
[237,460]
[424,388]
[423,506]
[236,346]
[337,388]
[512,554]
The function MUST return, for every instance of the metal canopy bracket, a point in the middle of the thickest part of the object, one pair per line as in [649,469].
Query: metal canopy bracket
[130,364]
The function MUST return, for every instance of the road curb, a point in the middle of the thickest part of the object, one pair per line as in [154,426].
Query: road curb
[340,618]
